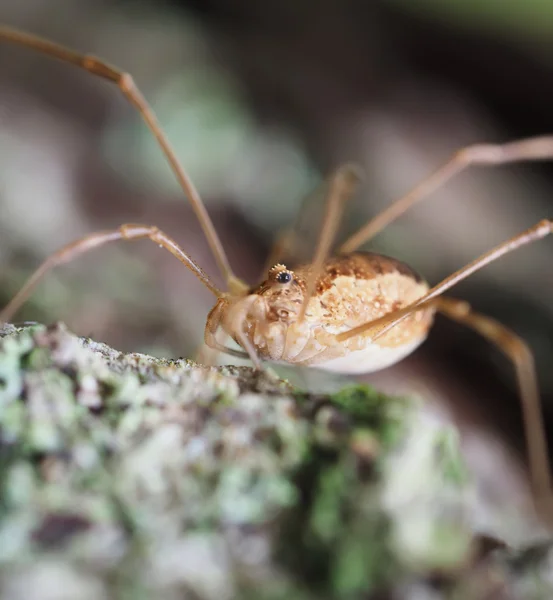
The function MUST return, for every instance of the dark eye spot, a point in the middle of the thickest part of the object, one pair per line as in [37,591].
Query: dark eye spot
[284,277]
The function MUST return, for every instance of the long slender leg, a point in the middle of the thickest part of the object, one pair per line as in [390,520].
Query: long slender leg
[536,148]
[342,185]
[380,326]
[291,244]
[508,342]
[521,356]
[74,249]
[126,84]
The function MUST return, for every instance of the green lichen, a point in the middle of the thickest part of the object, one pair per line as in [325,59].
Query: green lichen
[126,476]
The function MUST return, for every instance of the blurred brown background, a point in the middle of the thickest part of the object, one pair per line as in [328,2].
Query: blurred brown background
[260,101]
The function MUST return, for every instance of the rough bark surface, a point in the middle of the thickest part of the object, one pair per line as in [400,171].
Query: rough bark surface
[126,476]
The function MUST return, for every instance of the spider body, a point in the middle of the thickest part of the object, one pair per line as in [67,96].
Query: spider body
[350,291]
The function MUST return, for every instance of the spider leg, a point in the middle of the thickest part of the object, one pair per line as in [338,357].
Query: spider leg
[94,240]
[382,325]
[536,148]
[342,186]
[125,83]
[293,244]
[518,352]
[506,340]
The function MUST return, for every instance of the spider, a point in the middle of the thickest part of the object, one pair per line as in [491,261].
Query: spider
[348,311]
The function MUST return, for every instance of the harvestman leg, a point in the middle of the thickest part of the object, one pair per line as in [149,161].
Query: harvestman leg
[518,352]
[509,343]
[131,231]
[382,325]
[536,148]
[125,83]
[74,249]
[338,188]
[341,187]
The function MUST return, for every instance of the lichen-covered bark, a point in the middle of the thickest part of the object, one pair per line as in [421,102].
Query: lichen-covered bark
[125,476]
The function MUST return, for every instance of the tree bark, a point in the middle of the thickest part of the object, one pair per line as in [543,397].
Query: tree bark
[127,476]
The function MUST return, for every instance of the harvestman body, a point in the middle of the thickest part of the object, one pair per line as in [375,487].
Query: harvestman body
[353,312]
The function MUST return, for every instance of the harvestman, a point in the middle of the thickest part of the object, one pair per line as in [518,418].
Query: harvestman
[353,312]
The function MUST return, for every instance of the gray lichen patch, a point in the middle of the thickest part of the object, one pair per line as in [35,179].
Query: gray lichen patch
[126,476]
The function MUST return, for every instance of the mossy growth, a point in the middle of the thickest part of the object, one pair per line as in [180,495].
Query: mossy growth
[125,476]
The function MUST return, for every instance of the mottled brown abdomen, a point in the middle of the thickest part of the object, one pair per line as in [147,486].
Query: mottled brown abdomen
[352,290]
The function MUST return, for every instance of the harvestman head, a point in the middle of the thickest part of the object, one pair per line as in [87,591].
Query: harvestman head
[351,312]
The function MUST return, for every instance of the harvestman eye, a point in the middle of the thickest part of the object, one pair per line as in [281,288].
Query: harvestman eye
[284,277]
[373,338]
